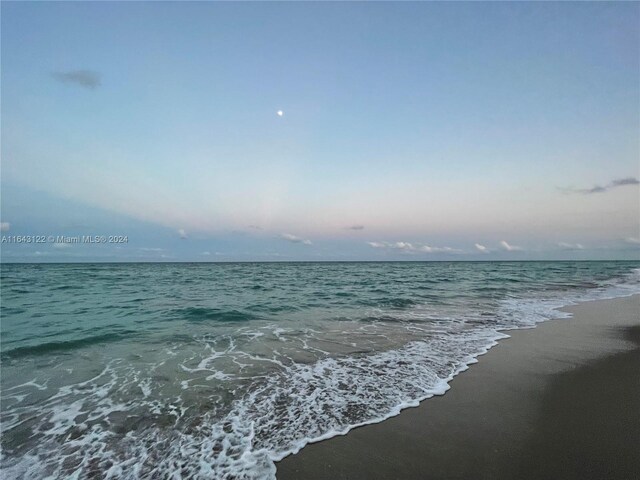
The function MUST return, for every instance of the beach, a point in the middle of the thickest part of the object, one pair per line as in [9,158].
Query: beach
[320,240]
[222,371]
[556,401]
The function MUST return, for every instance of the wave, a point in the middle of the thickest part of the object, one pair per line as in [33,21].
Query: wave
[201,314]
[67,345]
[390,302]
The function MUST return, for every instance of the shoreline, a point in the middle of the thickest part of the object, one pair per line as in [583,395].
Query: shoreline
[435,438]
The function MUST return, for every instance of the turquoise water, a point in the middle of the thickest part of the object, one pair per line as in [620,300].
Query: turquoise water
[218,370]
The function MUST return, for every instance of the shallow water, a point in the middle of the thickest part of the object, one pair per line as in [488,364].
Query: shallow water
[218,370]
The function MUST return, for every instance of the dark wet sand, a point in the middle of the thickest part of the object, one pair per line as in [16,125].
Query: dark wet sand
[561,401]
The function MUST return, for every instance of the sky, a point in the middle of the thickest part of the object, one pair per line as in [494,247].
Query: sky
[320,131]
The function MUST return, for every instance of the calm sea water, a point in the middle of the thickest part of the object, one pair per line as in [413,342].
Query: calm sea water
[218,370]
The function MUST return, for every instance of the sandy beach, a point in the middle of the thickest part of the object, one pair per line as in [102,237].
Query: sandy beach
[557,401]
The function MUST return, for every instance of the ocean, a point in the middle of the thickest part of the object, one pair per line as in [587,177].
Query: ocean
[220,370]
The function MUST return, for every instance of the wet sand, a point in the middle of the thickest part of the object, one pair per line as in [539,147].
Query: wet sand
[561,401]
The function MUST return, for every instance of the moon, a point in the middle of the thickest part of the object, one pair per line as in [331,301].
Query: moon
[280,113]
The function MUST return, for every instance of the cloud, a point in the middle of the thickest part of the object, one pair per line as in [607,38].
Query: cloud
[206,254]
[632,240]
[408,247]
[356,227]
[570,246]
[149,249]
[595,189]
[183,234]
[619,182]
[82,78]
[294,239]
[61,245]
[5,226]
[625,181]
[255,227]
[481,248]
[510,248]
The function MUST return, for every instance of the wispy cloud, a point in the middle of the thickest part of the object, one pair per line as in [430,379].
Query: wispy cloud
[570,246]
[295,239]
[633,240]
[624,181]
[61,245]
[510,248]
[620,182]
[183,234]
[355,227]
[481,248]
[5,226]
[82,78]
[408,247]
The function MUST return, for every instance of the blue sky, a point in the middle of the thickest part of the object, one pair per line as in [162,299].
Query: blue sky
[418,131]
